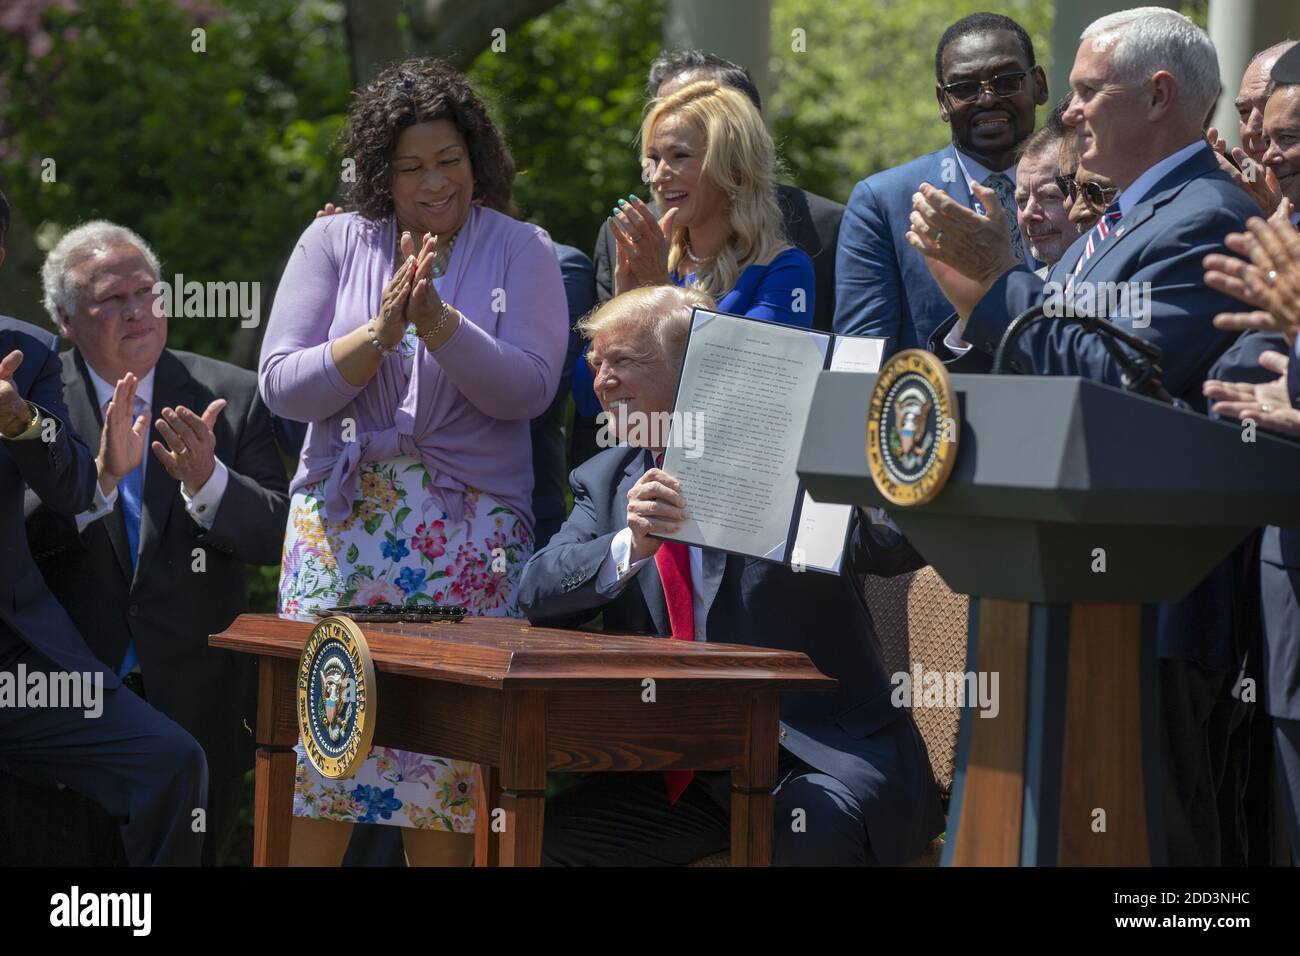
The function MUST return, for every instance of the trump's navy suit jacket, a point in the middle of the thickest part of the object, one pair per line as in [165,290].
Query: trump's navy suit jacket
[1161,241]
[61,473]
[854,734]
[882,285]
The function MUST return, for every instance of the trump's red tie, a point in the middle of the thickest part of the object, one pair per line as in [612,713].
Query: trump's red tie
[673,559]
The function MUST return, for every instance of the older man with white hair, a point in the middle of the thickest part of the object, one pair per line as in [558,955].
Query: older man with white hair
[1143,82]
[158,563]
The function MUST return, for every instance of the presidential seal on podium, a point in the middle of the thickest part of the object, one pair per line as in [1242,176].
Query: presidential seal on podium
[336,698]
[912,428]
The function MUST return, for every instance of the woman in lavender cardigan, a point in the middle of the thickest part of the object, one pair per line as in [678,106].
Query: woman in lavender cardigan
[417,335]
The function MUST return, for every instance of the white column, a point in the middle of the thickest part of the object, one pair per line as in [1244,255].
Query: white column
[739,30]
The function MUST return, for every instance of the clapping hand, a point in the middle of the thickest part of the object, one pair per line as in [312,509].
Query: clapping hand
[15,413]
[121,440]
[1260,182]
[978,246]
[1270,281]
[1267,403]
[190,454]
[642,244]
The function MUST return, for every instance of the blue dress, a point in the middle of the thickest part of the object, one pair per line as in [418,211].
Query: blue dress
[781,291]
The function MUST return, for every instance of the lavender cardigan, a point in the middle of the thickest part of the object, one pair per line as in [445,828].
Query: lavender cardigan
[464,410]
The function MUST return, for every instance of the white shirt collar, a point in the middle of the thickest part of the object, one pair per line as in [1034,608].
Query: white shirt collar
[1128,198]
[104,390]
[977,171]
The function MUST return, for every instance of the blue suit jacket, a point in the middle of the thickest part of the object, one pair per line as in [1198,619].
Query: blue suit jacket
[1162,241]
[855,735]
[882,285]
[62,474]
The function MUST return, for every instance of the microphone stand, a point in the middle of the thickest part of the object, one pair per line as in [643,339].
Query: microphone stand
[1139,373]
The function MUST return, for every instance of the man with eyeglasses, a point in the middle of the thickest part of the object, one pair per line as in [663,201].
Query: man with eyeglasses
[987,86]
[1143,82]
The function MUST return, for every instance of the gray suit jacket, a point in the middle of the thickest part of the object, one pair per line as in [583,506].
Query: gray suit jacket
[854,734]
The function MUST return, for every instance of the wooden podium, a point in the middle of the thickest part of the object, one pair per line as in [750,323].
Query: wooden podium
[520,701]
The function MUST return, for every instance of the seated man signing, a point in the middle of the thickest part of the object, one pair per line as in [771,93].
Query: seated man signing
[854,764]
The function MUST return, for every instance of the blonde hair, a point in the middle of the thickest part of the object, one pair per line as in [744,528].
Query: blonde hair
[739,159]
[660,311]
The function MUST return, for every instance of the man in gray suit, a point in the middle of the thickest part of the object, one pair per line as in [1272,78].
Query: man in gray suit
[852,762]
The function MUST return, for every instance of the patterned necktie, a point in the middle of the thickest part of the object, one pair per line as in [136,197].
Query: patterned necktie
[130,489]
[1001,184]
[1096,236]
[673,559]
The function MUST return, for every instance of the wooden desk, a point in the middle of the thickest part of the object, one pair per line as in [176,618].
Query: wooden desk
[520,701]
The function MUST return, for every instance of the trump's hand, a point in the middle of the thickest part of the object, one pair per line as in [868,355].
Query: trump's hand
[15,413]
[190,454]
[654,506]
[121,440]
[1267,403]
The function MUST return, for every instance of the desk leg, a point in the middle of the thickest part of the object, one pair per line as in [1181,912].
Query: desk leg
[273,806]
[487,844]
[522,777]
[752,803]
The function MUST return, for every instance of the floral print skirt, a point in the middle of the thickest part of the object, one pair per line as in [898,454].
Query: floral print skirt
[394,549]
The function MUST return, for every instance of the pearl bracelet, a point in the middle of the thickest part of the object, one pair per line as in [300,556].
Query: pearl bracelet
[374,340]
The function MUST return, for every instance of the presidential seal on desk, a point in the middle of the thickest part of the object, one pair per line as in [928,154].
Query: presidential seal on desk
[912,428]
[336,698]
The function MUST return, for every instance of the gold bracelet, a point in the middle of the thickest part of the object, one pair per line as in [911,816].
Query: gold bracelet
[443,316]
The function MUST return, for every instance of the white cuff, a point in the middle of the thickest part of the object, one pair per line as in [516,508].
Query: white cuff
[203,506]
[954,342]
[616,570]
[99,508]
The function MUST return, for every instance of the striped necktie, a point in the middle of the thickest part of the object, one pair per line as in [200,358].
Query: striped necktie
[1096,236]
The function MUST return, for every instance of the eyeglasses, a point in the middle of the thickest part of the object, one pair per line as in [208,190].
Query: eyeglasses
[1004,84]
[1094,194]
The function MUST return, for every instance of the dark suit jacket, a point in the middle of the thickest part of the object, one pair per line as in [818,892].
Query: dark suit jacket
[167,606]
[811,222]
[61,475]
[1164,237]
[854,734]
[547,429]
[1278,587]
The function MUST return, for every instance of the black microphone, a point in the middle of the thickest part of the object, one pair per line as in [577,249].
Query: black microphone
[1140,374]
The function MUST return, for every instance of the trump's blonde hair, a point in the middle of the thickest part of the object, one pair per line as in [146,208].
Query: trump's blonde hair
[740,159]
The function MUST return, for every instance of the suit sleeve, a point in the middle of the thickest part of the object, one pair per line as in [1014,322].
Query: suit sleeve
[604,260]
[558,586]
[868,283]
[254,511]
[1176,314]
[880,549]
[60,472]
